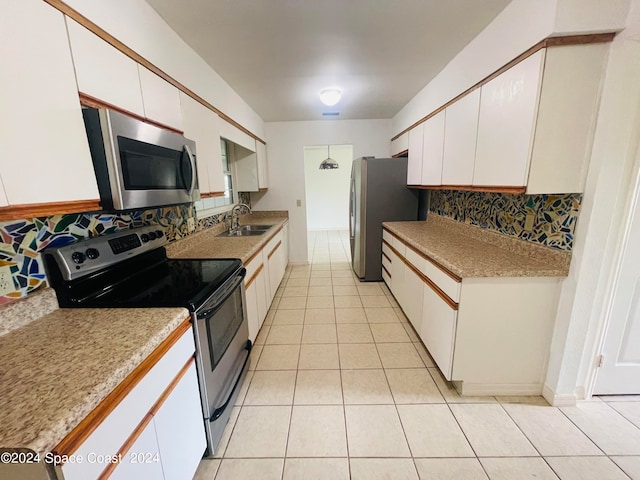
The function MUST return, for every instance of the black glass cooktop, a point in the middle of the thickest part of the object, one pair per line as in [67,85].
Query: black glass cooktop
[150,280]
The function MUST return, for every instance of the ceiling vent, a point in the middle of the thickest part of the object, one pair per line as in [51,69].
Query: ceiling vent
[330,114]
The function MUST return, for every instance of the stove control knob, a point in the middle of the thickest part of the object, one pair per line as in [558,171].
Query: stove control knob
[159,234]
[152,235]
[144,237]
[92,253]
[78,257]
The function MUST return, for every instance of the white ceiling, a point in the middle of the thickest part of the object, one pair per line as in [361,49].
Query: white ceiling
[278,54]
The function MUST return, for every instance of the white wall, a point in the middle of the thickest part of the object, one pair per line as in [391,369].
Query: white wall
[522,24]
[139,26]
[585,293]
[327,190]
[285,151]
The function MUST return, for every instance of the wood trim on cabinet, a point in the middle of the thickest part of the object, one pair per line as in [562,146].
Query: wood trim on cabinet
[126,446]
[443,269]
[431,284]
[385,255]
[254,276]
[254,255]
[473,188]
[94,102]
[274,249]
[262,190]
[212,194]
[403,153]
[546,43]
[387,271]
[70,443]
[35,210]
[114,42]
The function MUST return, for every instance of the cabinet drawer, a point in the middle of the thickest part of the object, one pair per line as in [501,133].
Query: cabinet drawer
[386,277]
[399,246]
[271,244]
[386,261]
[447,284]
[387,236]
[114,430]
[438,329]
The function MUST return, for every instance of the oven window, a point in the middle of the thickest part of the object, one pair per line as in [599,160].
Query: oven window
[223,325]
[151,167]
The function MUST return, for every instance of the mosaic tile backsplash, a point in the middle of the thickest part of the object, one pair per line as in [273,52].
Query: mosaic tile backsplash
[23,240]
[549,220]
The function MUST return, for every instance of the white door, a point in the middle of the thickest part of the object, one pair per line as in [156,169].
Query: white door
[620,370]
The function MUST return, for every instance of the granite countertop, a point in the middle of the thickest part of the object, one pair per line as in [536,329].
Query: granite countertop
[469,251]
[207,244]
[58,368]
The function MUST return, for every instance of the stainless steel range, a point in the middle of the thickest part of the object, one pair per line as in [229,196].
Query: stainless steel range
[131,269]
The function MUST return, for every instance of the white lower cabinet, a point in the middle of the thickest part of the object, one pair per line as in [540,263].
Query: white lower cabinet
[492,335]
[437,329]
[157,427]
[132,469]
[180,429]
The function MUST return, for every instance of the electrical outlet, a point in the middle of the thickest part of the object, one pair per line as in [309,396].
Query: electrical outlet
[298,203]
[191,224]
[6,281]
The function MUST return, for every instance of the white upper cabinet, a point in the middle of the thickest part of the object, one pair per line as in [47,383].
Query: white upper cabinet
[104,72]
[400,144]
[460,134]
[201,125]
[432,144]
[45,155]
[508,107]
[161,99]
[263,171]
[414,163]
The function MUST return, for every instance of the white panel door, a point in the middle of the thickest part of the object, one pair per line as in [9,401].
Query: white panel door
[180,429]
[131,468]
[432,150]
[508,107]
[161,99]
[620,371]
[460,134]
[104,72]
[414,162]
[45,153]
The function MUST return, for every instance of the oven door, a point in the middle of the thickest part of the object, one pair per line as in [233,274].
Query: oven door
[222,339]
[147,166]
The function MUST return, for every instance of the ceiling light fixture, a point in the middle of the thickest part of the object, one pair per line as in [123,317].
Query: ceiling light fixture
[330,96]
[329,163]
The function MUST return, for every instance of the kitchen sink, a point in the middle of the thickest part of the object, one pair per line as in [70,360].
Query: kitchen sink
[246,231]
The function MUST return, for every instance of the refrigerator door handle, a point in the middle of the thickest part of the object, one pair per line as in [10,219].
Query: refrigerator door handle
[352,209]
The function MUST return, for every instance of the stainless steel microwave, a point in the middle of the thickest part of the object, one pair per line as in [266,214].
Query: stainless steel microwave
[139,165]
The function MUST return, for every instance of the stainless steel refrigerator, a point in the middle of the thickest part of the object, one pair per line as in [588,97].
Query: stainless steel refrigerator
[378,194]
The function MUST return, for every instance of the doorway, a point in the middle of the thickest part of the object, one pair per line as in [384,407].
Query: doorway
[327,190]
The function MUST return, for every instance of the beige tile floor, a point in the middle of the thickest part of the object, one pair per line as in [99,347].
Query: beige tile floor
[341,388]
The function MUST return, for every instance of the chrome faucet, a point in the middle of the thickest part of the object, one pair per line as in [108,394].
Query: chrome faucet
[235,214]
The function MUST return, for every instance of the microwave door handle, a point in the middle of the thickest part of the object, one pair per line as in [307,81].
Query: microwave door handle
[194,173]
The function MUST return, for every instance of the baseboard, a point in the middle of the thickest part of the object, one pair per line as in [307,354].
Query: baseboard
[298,264]
[506,389]
[564,400]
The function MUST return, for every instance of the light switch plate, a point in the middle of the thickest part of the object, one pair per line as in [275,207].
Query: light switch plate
[6,281]
[298,203]
[191,224]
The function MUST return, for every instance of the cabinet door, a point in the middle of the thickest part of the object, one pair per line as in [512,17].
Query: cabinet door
[400,144]
[45,154]
[261,297]
[180,429]
[263,172]
[104,72]
[460,135]
[432,149]
[414,162]
[251,299]
[508,107]
[275,269]
[161,99]
[412,307]
[438,329]
[246,170]
[285,244]
[201,125]
[397,277]
[144,448]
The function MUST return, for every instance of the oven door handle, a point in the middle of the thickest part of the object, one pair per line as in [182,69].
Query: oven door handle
[221,297]
[220,410]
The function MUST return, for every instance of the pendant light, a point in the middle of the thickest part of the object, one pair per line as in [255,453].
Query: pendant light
[329,163]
